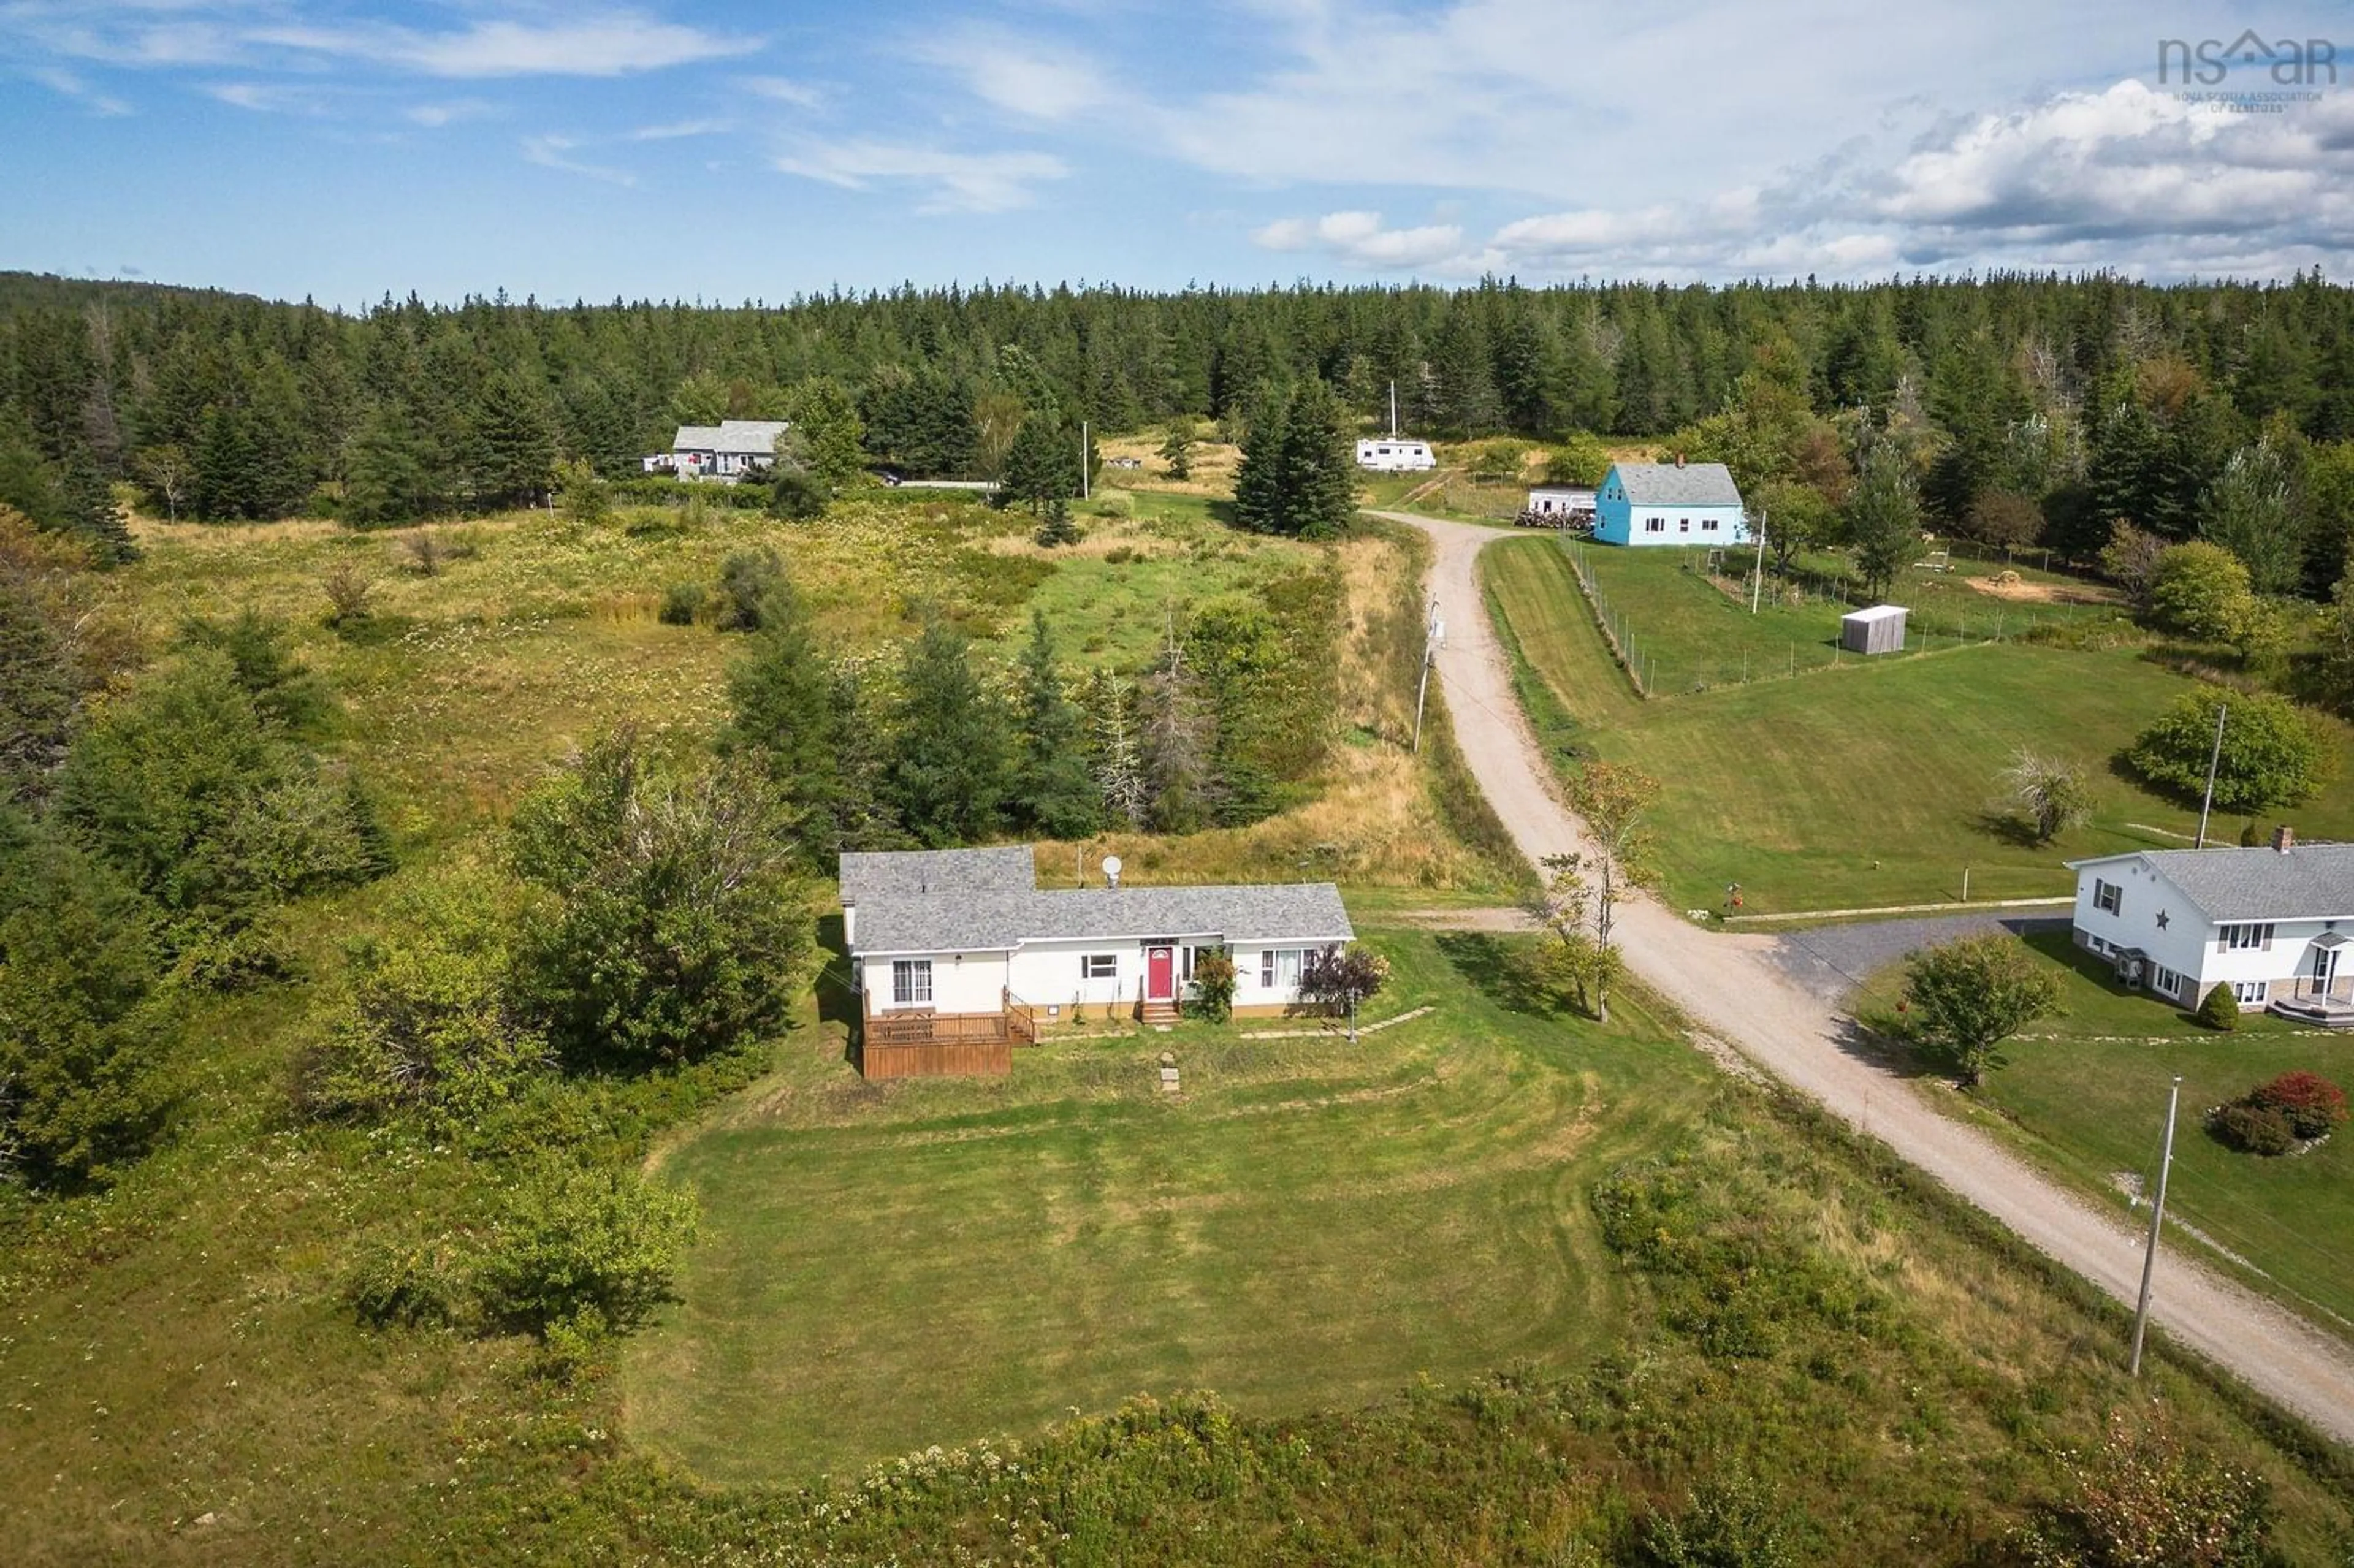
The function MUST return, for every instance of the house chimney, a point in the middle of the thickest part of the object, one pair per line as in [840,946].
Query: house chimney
[2283,838]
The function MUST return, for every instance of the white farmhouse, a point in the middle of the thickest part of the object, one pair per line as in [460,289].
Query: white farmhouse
[962,945]
[1394,454]
[2270,922]
[728,449]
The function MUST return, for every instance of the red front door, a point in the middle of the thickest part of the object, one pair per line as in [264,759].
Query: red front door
[1160,973]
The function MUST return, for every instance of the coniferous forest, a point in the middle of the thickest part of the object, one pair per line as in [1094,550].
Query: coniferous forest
[2035,408]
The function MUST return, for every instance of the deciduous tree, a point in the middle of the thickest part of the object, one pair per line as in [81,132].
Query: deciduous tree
[1970,995]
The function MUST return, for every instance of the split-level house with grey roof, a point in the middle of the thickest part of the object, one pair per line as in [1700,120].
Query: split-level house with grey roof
[728,449]
[2271,922]
[965,944]
[1670,503]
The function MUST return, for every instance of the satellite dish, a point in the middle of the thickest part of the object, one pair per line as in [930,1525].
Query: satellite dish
[1111,870]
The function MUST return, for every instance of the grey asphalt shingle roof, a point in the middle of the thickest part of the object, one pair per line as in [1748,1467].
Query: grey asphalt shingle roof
[996,922]
[2311,882]
[748,438]
[867,877]
[1665,485]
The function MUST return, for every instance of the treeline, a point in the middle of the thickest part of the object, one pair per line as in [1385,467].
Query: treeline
[224,407]
[1223,726]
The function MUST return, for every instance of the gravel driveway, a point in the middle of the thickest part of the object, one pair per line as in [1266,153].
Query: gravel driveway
[1832,960]
[1760,995]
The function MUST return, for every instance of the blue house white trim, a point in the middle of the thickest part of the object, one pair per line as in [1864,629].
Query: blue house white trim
[1670,503]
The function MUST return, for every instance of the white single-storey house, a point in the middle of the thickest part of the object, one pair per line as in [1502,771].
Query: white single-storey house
[1394,454]
[1562,501]
[1670,503]
[2270,922]
[969,934]
[725,451]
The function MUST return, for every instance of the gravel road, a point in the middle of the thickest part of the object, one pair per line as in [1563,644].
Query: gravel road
[1758,993]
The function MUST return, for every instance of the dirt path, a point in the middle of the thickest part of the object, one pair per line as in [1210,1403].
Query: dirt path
[1731,986]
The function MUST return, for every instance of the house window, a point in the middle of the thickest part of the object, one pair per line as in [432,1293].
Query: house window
[1099,966]
[1655,526]
[911,982]
[2107,896]
[1707,525]
[2164,982]
[2244,938]
[1684,524]
[2251,993]
[1278,969]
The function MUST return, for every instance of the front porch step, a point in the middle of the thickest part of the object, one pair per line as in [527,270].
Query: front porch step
[2330,1014]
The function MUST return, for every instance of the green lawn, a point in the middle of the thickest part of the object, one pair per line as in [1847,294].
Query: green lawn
[1870,785]
[1691,635]
[1310,1225]
[2085,1094]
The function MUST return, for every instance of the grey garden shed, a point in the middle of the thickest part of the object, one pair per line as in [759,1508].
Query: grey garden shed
[1880,629]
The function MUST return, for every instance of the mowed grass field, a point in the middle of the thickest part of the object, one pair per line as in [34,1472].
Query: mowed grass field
[2084,1093]
[1871,785]
[1309,1225]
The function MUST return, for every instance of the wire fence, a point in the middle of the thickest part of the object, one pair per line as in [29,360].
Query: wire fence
[1658,662]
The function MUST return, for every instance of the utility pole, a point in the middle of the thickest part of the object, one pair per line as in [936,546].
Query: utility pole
[2215,761]
[1086,480]
[1757,578]
[1392,410]
[1434,640]
[2157,1218]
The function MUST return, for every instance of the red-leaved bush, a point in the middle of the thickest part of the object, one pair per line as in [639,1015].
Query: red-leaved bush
[2312,1103]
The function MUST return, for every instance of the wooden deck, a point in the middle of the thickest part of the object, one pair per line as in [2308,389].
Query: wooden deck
[926,1044]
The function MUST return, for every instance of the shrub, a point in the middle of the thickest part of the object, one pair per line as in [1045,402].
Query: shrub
[2142,1501]
[576,1242]
[798,496]
[404,1284]
[676,922]
[1733,1522]
[2312,1105]
[2200,590]
[2219,1009]
[681,603]
[1970,995]
[746,580]
[347,588]
[1213,976]
[2251,1128]
[2273,754]
[1120,555]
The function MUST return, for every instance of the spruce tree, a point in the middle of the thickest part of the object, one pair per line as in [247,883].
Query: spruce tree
[1262,485]
[1057,529]
[1177,447]
[90,506]
[1319,469]
[947,772]
[514,442]
[1043,462]
[1054,785]
[784,716]
[37,695]
[392,477]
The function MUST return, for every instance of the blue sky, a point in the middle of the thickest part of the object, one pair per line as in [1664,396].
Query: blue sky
[729,151]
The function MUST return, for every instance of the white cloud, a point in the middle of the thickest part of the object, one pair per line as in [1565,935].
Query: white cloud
[555,153]
[1037,81]
[267,97]
[433,116]
[1358,240]
[679,129]
[68,84]
[953,181]
[595,44]
[786,89]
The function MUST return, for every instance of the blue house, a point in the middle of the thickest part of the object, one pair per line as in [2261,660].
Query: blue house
[1670,503]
